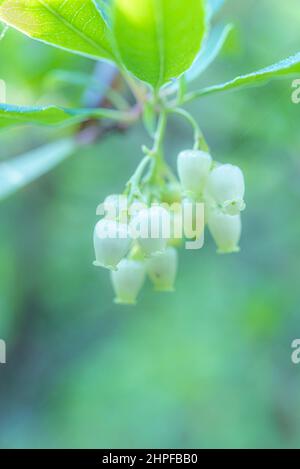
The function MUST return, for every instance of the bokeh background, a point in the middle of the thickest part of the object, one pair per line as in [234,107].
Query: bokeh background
[208,366]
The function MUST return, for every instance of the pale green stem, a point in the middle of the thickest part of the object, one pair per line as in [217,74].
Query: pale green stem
[159,135]
[138,91]
[199,140]
[98,113]
[181,90]
[117,100]
[132,186]
[157,153]
[193,95]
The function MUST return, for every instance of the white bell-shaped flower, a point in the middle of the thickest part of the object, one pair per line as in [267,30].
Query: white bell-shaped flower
[111,242]
[193,169]
[162,269]
[136,207]
[128,281]
[151,227]
[114,207]
[226,186]
[226,230]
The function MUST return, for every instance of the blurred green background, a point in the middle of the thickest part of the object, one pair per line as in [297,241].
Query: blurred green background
[208,366]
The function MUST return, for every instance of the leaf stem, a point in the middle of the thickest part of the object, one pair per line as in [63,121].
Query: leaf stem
[122,116]
[117,100]
[182,85]
[138,91]
[193,95]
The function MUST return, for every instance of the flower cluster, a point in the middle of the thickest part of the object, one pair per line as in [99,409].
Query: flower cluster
[140,230]
[222,189]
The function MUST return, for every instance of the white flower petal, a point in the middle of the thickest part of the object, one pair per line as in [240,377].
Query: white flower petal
[226,230]
[162,269]
[111,242]
[193,169]
[128,281]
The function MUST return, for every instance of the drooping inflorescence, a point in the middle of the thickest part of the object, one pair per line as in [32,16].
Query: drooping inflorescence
[141,229]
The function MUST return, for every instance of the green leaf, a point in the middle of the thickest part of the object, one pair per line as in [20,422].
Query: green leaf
[74,25]
[20,171]
[53,115]
[210,50]
[212,47]
[158,40]
[105,8]
[3,30]
[281,69]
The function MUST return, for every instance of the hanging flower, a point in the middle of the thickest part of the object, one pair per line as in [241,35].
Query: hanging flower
[151,228]
[226,186]
[128,281]
[193,169]
[162,269]
[111,242]
[226,230]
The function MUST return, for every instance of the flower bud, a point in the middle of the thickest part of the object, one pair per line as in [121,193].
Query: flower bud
[171,193]
[151,228]
[162,269]
[193,169]
[128,281]
[111,242]
[227,187]
[226,230]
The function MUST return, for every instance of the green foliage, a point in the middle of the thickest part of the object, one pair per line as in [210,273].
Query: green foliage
[54,22]
[158,39]
[211,49]
[3,30]
[289,66]
[52,115]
